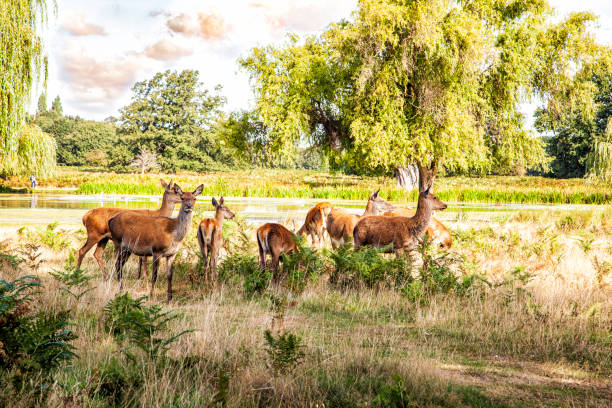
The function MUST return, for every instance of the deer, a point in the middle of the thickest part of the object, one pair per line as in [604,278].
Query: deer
[403,232]
[436,231]
[96,225]
[274,239]
[210,237]
[316,222]
[160,237]
[340,224]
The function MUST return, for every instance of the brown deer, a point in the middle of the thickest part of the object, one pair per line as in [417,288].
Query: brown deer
[210,237]
[96,224]
[134,233]
[436,231]
[316,222]
[274,239]
[402,232]
[340,224]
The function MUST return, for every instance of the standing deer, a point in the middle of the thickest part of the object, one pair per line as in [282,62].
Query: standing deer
[436,231]
[316,222]
[96,224]
[274,239]
[402,232]
[210,237]
[143,235]
[340,224]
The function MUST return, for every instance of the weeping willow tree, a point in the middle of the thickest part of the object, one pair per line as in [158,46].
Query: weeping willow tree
[23,149]
[599,161]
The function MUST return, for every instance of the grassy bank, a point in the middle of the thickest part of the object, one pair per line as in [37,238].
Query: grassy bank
[310,184]
[353,329]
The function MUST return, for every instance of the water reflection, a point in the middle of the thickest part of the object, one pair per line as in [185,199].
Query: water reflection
[34,201]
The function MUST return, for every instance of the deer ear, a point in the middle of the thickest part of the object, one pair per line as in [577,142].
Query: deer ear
[374,194]
[163,183]
[221,201]
[178,190]
[214,202]
[198,190]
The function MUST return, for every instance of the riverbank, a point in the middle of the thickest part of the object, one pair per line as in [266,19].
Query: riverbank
[322,185]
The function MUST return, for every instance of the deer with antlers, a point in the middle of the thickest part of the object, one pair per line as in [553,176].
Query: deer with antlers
[316,222]
[160,237]
[96,224]
[403,232]
[210,237]
[340,224]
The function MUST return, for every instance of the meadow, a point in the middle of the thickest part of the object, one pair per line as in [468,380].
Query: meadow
[517,314]
[321,185]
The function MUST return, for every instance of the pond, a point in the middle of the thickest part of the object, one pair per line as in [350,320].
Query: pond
[68,209]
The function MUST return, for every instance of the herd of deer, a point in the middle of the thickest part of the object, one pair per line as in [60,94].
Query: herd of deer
[154,233]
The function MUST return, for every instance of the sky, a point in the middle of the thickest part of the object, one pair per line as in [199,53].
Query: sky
[98,49]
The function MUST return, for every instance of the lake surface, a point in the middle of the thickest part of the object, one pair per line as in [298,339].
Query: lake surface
[68,209]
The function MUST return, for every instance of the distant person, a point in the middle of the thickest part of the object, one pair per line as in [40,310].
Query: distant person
[33,181]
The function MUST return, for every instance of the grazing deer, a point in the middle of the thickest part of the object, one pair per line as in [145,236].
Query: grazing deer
[436,231]
[143,235]
[402,232]
[316,222]
[274,239]
[340,224]
[96,224]
[210,237]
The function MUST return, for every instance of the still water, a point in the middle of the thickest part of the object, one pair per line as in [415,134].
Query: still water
[68,209]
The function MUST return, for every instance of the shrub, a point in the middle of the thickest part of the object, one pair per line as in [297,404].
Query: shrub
[301,266]
[31,344]
[285,351]
[75,283]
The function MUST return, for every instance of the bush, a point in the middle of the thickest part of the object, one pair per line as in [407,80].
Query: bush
[285,351]
[301,267]
[31,344]
[368,267]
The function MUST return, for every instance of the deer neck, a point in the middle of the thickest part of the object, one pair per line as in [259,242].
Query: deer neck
[370,209]
[166,207]
[183,224]
[219,217]
[422,216]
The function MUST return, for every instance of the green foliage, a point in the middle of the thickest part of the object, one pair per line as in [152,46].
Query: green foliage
[42,103]
[75,283]
[22,64]
[142,326]
[301,267]
[285,351]
[368,267]
[51,237]
[421,81]
[32,345]
[171,115]
[56,106]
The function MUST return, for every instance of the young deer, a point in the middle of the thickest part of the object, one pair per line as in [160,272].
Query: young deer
[402,232]
[142,235]
[96,224]
[274,239]
[210,237]
[340,224]
[316,221]
[436,231]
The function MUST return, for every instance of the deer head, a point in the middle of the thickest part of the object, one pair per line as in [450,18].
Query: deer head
[169,194]
[432,200]
[219,206]
[379,204]
[188,199]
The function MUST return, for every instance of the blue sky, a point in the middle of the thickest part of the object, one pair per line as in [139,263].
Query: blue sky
[97,49]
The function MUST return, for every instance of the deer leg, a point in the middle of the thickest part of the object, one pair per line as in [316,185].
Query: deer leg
[122,256]
[169,261]
[98,255]
[142,266]
[262,256]
[154,267]
[83,251]
[206,257]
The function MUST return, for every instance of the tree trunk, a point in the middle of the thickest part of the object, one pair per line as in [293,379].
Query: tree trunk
[407,177]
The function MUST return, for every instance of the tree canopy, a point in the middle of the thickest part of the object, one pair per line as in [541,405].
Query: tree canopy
[431,82]
[22,63]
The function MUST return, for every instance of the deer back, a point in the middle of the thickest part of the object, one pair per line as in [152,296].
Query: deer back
[275,238]
[142,234]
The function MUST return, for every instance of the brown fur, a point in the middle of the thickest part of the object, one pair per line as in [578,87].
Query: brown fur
[436,231]
[402,232]
[135,233]
[210,237]
[96,224]
[274,239]
[340,224]
[316,221]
